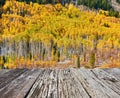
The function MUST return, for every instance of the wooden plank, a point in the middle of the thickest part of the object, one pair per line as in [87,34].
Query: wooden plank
[38,87]
[9,76]
[67,84]
[78,87]
[52,86]
[71,88]
[20,86]
[3,71]
[101,85]
[29,81]
[60,83]
[94,86]
[63,82]
[108,80]
[106,86]
[46,87]
[113,71]
[85,82]
[35,87]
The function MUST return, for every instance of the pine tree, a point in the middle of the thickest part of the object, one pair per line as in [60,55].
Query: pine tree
[78,61]
[92,60]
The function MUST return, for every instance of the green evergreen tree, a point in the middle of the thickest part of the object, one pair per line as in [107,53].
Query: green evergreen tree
[78,61]
[92,60]
[58,56]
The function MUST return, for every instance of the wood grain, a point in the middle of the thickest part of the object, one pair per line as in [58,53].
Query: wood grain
[60,83]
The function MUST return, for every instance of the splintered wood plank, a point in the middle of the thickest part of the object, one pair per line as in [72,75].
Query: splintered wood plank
[45,86]
[9,76]
[3,71]
[70,85]
[39,85]
[95,87]
[20,86]
[52,87]
[64,85]
[69,81]
[113,71]
[109,80]
[28,83]
[80,92]
[47,90]
[91,91]
[59,84]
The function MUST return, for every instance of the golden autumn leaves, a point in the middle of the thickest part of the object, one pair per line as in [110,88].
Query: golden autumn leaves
[38,30]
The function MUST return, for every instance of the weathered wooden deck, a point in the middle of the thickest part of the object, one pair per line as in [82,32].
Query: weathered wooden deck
[60,83]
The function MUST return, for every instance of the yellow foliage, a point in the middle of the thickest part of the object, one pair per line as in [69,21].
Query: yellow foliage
[67,26]
[10,65]
[112,65]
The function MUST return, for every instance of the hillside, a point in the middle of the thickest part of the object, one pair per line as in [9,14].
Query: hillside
[109,5]
[112,6]
[34,35]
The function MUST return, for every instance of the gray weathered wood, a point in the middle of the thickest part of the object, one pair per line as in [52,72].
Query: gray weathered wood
[2,71]
[96,87]
[107,79]
[9,76]
[114,72]
[19,86]
[60,83]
